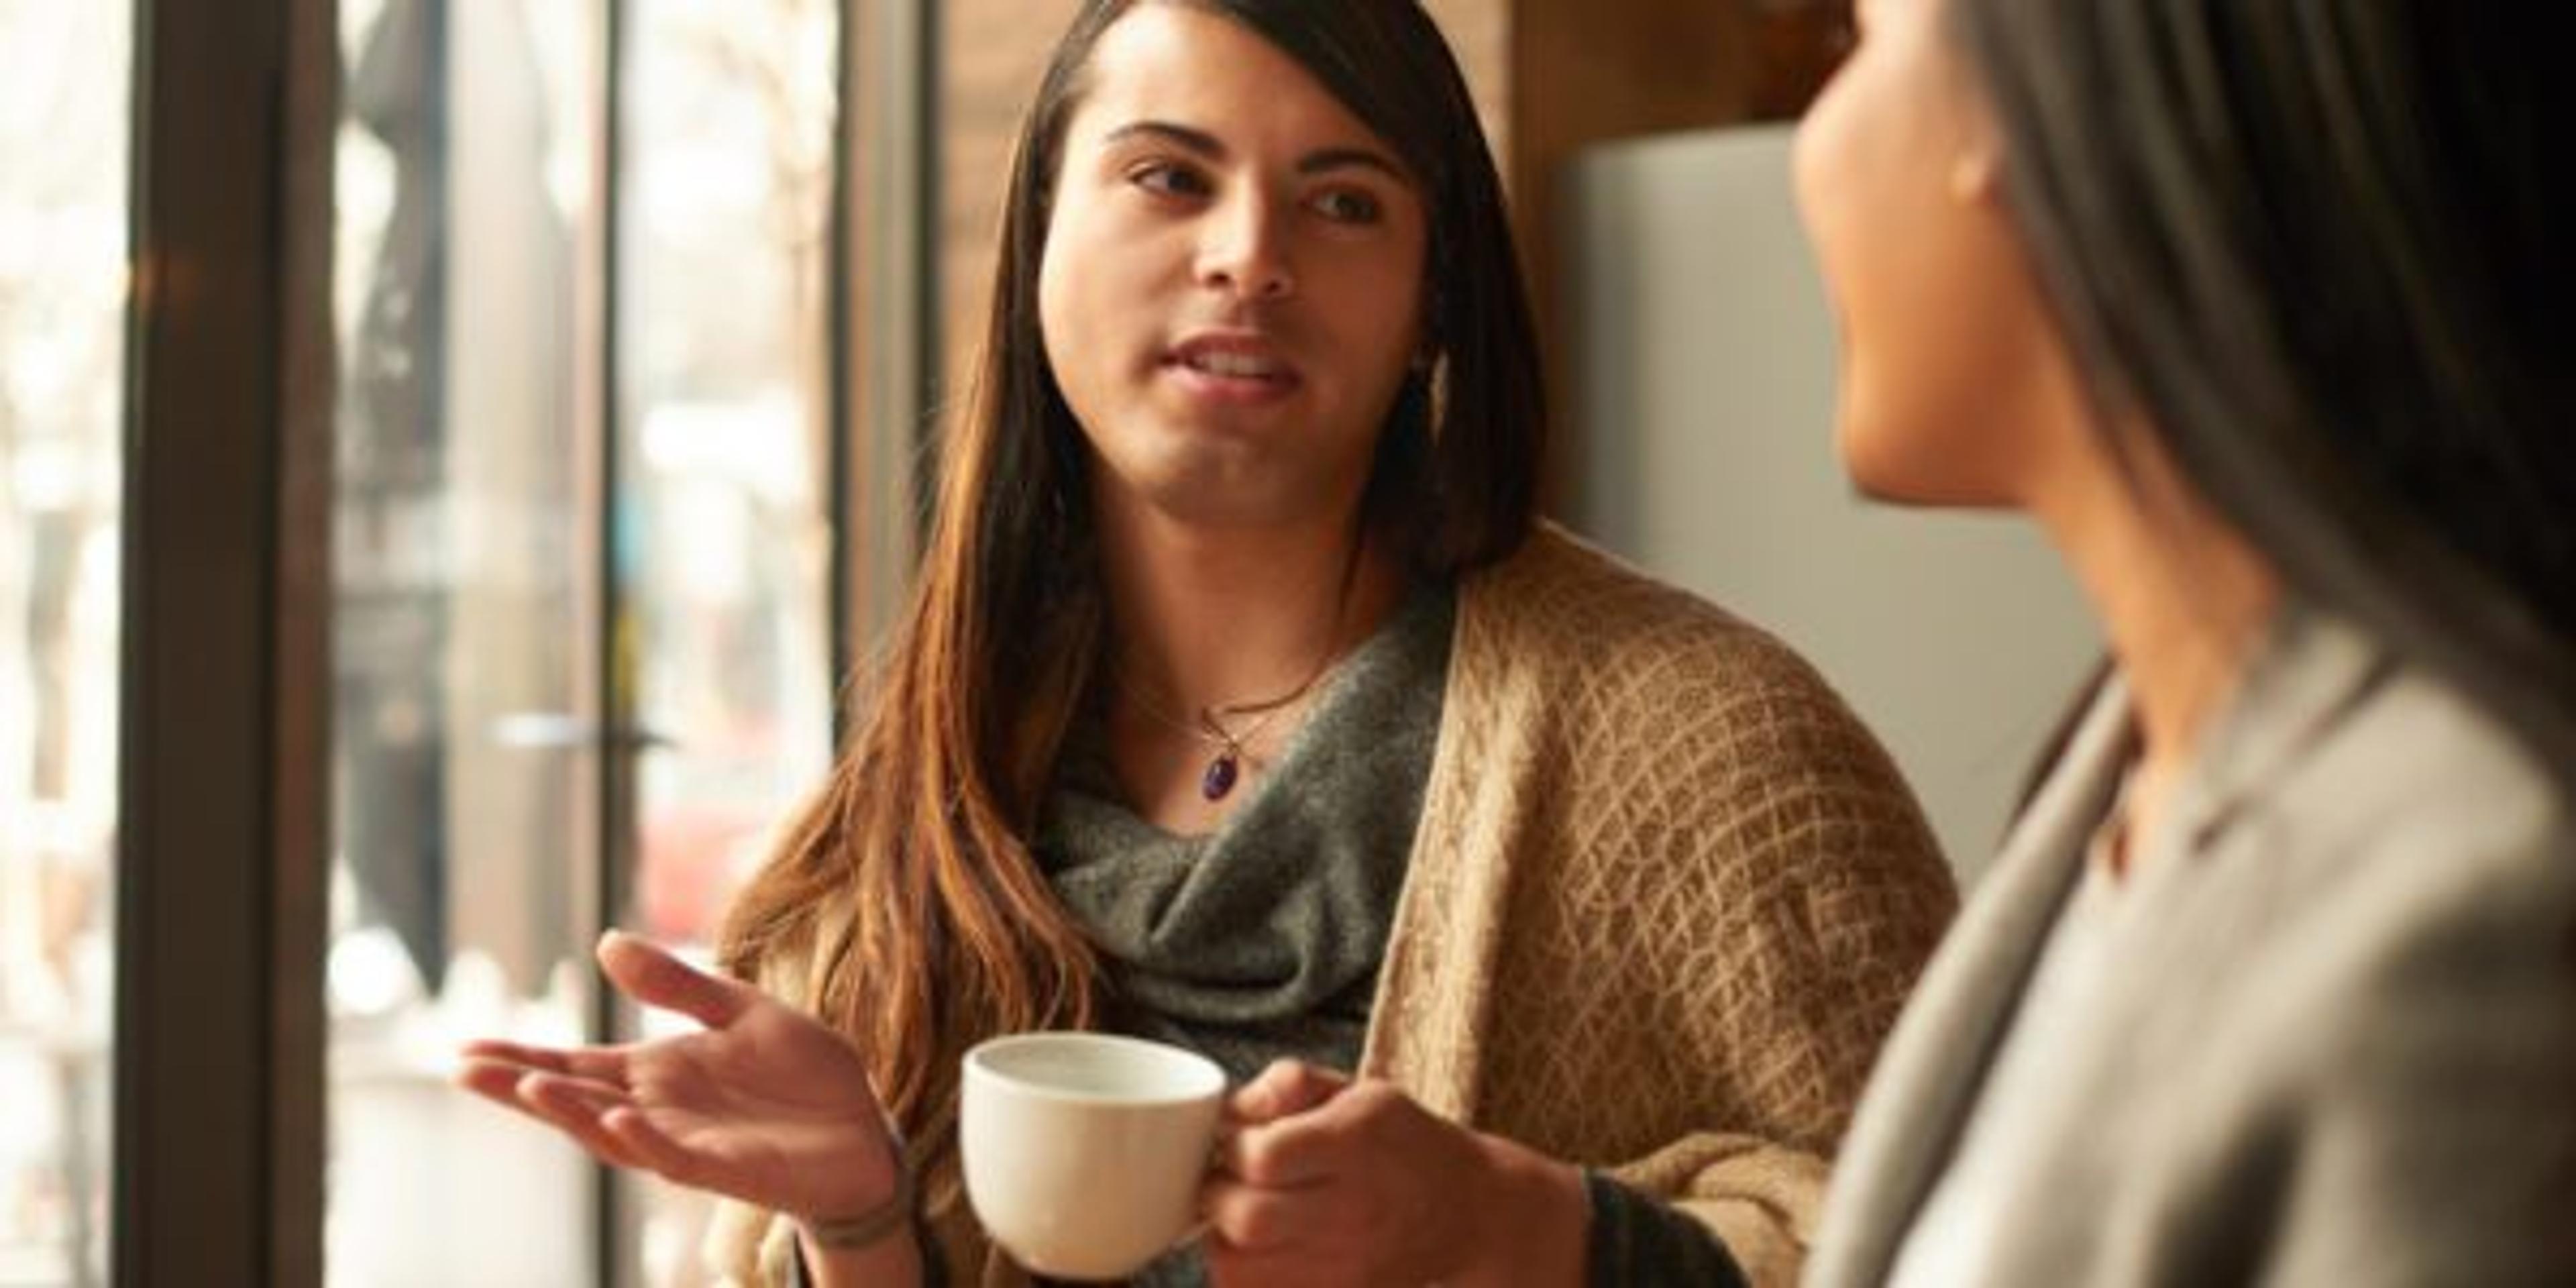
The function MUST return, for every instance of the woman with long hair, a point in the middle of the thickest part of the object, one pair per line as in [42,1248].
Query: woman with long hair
[2257,307]
[1243,703]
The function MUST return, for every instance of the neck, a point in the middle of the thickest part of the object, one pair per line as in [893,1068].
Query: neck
[2182,596]
[1213,617]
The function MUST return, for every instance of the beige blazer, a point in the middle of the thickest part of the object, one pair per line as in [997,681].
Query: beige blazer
[2336,1044]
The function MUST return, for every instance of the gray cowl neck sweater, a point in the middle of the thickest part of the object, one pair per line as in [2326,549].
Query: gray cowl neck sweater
[1262,939]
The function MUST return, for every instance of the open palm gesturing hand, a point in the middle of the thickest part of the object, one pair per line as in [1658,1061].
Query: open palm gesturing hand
[764,1104]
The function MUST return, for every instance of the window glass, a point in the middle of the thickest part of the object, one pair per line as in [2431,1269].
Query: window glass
[64,127]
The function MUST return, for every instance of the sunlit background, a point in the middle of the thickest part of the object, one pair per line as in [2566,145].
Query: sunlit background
[63,124]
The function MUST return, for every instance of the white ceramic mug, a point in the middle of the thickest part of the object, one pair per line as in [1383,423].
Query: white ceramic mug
[1084,1151]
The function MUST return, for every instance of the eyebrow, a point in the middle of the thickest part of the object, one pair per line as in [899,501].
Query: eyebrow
[1212,148]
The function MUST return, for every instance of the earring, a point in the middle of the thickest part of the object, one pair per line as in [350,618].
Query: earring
[1973,176]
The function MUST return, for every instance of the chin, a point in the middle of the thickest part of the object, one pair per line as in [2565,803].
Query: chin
[1913,470]
[1196,489]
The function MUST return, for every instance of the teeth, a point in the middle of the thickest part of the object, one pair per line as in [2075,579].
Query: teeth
[1231,364]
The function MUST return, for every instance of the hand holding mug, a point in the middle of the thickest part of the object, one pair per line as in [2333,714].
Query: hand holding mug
[765,1104]
[1325,1180]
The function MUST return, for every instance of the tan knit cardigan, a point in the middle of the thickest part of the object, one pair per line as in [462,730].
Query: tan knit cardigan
[1666,898]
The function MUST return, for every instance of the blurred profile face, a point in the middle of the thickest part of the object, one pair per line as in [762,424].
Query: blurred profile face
[1954,382]
[1231,286]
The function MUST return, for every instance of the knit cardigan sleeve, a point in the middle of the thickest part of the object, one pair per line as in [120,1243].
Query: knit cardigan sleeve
[1666,900]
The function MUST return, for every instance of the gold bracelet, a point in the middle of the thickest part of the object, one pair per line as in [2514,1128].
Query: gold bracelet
[851,1233]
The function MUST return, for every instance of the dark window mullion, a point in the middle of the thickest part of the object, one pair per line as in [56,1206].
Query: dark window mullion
[222,825]
[841,343]
[890,88]
[614,642]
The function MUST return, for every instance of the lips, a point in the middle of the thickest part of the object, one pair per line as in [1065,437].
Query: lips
[1247,359]
[1243,365]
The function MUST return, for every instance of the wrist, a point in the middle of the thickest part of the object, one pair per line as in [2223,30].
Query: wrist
[865,1227]
[1531,1222]
[895,1260]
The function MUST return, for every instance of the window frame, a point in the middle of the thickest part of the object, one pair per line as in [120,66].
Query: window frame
[224,756]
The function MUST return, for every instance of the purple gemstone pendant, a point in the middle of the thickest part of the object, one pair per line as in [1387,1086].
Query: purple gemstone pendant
[1219,778]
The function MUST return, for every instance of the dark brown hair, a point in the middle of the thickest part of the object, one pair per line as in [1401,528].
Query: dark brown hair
[904,906]
[2322,247]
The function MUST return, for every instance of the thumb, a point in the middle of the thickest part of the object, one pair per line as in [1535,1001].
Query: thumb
[651,975]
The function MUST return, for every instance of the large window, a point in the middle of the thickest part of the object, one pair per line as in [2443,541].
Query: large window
[63,129]
[720,538]
[439,489]
[463,625]
[584,575]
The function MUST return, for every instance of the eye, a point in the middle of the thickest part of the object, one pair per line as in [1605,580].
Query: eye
[1349,206]
[1169,179]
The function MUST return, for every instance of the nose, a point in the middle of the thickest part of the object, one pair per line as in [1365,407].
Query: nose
[1244,251]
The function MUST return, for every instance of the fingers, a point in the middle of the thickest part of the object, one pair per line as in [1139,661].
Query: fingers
[1259,1111]
[636,1135]
[570,1098]
[571,1105]
[656,978]
[1250,1218]
[598,1064]
[1284,1154]
[1321,1142]
[1288,1266]
[494,1080]
[1286,1088]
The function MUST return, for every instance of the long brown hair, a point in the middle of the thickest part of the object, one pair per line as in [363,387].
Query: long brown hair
[904,906]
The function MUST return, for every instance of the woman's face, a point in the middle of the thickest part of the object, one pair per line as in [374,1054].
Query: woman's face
[1231,287]
[1953,378]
